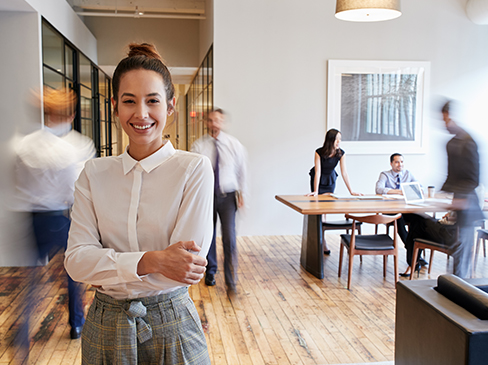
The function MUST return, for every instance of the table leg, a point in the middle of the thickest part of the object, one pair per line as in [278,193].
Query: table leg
[312,254]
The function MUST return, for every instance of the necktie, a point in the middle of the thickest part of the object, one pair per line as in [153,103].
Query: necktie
[216,169]
[397,182]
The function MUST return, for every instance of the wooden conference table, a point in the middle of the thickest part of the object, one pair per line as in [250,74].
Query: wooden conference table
[312,207]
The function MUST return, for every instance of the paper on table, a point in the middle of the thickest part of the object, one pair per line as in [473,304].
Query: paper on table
[394,196]
[343,196]
[361,197]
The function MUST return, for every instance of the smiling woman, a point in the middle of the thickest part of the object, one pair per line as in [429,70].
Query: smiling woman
[142,110]
[142,227]
[143,99]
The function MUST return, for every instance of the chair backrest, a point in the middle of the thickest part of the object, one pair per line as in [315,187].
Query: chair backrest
[375,219]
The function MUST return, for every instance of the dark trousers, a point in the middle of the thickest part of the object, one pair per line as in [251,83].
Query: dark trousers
[428,228]
[225,207]
[401,223]
[463,247]
[51,231]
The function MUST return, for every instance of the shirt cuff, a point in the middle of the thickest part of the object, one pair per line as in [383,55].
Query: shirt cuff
[127,266]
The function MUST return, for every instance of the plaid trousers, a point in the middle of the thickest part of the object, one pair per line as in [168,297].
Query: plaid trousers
[163,329]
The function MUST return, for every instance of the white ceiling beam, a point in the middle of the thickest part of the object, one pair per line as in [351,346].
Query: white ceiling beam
[146,5]
[144,15]
[145,9]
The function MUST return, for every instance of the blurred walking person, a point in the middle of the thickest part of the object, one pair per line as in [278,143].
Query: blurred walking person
[48,163]
[463,176]
[228,158]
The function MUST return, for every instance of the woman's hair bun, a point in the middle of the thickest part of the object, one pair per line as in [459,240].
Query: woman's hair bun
[144,49]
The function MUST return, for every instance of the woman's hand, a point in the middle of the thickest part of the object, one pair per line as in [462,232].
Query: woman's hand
[314,193]
[175,262]
[356,194]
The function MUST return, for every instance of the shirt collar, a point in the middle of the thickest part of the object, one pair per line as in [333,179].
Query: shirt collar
[395,174]
[151,162]
[221,138]
[59,130]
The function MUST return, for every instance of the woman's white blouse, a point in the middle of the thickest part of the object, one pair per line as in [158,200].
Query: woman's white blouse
[124,208]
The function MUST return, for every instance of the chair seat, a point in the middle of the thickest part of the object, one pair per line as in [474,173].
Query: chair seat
[433,244]
[340,224]
[377,242]
[483,234]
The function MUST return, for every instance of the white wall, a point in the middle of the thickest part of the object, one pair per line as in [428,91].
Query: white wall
[20,72]
[176,40]
[67,22]
[271,75]
[206,30]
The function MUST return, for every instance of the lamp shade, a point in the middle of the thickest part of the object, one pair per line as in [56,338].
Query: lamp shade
[367,10]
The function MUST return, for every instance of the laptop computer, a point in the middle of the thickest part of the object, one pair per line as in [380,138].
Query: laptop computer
[412,192]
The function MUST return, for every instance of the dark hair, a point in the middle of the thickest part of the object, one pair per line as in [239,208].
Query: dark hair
[328,147]
[392,157]
[218,110]
[143,56]
[446,107]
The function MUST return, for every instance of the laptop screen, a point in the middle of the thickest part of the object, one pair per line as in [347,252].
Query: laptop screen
[412,192]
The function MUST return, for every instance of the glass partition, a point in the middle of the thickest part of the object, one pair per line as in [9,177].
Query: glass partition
[199,100]
[64,66]
[52,48]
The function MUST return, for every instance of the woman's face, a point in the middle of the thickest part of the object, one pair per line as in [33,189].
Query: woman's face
[142,110]
[337,141]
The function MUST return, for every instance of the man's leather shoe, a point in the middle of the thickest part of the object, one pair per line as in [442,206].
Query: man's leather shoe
[75,332]
[209,280]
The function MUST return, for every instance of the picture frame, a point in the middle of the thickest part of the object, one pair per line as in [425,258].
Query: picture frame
[379,106]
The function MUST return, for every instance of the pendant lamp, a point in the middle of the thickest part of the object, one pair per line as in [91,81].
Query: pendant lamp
[367,10]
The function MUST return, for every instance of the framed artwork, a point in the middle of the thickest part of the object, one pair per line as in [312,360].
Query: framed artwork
[379,106]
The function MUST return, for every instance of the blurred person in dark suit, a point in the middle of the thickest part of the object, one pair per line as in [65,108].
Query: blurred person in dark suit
[463,176]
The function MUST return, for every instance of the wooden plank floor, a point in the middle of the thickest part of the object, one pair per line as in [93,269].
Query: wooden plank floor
[281,315]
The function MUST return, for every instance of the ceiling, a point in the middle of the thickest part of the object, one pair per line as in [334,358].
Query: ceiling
[15,5]
[175,9]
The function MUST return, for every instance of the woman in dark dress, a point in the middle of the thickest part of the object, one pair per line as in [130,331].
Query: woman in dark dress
[323,175]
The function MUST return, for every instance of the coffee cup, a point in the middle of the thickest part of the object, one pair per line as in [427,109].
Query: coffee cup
[431,191]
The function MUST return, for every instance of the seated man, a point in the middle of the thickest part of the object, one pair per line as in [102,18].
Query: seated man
[423,226]
[389,183]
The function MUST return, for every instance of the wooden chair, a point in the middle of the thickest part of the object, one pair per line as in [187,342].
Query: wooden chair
[421,244]
[345,224]
[482,235]
[388,225]
[381,244]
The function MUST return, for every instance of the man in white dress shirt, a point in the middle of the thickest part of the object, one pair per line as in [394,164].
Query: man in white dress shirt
[390,181]
[228,158]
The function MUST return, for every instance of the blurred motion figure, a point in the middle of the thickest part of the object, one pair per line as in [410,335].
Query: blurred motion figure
[463,175]
[48,162]
[228,158]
